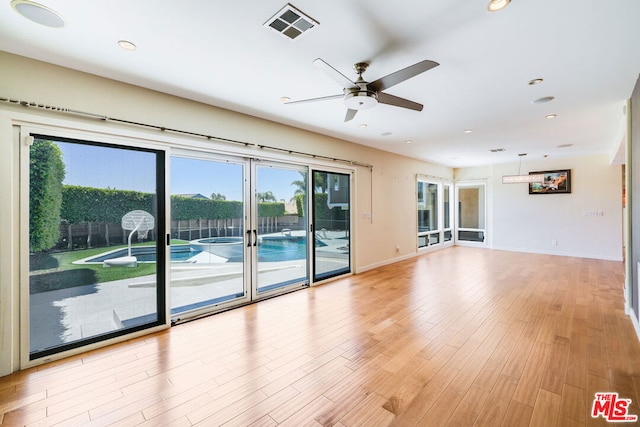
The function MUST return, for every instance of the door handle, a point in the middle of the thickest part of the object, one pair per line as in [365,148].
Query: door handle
[248,238]
[255,237]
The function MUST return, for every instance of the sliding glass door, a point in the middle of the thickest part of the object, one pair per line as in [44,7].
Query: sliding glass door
[331,221]
[280,227]
[238,231]
[208,212]
[96,242]
[100,246]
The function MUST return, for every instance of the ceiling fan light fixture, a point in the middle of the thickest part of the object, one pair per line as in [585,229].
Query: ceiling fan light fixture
[358,99]
[496,5]
[38,13]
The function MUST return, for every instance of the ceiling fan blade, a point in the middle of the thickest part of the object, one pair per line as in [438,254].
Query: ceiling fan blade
[322,98]
[385,98]
[350,114]
[334,74]
[399,76]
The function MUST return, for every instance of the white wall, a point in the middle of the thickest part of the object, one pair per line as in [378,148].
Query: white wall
[529,223]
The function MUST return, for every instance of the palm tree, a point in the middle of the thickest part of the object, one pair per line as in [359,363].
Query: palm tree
[301,186]
[320,181]
[267,196]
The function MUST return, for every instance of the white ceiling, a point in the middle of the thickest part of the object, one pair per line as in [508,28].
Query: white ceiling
[219,53]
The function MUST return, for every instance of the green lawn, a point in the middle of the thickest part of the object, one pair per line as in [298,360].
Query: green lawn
[55,270]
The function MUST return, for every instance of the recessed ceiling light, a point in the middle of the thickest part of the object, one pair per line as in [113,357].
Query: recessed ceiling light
[535,82]
[408,141]
[126,45]
[543,100]
[565,145]
[550,116]
[496,5]
[285,99]
[386,134]
[363,125]
[467,130]
[38,13]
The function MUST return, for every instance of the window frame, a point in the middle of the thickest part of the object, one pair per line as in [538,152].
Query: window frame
[435,238]
[484,215]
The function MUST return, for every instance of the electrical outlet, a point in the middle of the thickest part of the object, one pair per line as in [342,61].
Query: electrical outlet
[554,243]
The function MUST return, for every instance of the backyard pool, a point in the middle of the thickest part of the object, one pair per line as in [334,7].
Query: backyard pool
[270,249]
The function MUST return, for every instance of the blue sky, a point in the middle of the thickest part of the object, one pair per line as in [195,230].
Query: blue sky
[122,169]
[104,167]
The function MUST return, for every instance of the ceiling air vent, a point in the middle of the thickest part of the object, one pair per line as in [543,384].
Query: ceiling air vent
[497,150]
[291,22]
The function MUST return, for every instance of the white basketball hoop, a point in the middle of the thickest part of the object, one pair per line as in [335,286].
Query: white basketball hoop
[138,221]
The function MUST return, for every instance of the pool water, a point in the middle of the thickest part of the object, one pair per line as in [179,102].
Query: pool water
[269,250]
[282,250]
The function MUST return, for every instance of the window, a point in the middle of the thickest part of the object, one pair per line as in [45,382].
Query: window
[448,212]
[434,213]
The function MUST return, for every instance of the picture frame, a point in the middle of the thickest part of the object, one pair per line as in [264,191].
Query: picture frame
[555,182]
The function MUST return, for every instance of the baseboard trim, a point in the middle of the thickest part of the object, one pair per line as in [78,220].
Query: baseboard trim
[387,262]
[634,319]
[558,253]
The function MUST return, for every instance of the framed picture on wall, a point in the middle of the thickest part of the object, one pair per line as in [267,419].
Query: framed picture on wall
[558,181]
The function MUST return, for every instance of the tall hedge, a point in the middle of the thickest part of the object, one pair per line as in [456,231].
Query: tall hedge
[300,202]
[46,173]
[81,204]
[321,206]
[269,209]
[185,208]
[86,204]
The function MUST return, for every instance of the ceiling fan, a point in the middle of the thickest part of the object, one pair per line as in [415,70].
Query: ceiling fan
[360,95]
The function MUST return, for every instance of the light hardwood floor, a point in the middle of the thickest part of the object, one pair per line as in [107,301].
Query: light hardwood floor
[458,337]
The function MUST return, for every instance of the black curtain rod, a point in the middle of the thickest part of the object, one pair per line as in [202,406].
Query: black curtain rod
[178,131]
